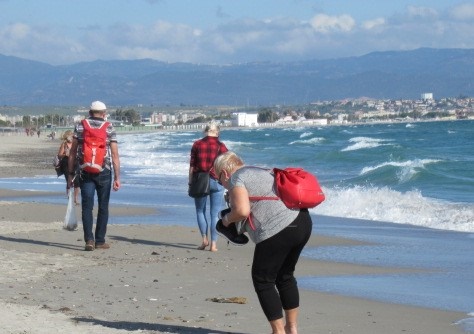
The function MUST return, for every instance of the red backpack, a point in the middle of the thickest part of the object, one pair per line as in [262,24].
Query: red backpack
[297,188]
[94,147]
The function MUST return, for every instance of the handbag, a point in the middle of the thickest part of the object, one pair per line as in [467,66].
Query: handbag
[199,186]
[57,166]
[56,161]
[60,165]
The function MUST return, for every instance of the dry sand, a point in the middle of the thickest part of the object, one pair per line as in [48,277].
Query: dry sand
[153,280]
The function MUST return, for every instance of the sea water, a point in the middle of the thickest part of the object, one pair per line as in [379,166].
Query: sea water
[407,188]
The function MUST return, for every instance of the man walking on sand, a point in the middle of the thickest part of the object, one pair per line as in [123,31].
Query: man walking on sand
[92,177]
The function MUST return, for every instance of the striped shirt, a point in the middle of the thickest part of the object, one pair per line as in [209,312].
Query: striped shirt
[95,122]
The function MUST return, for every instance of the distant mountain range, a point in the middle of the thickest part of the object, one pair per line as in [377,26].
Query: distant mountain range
[381,75]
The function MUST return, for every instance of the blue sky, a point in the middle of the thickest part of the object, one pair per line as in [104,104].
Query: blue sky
[228,31]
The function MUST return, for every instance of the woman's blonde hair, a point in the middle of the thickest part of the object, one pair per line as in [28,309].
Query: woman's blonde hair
[227,161]
[66,134]
[212,127]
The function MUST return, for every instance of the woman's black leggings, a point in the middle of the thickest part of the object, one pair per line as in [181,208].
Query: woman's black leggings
[274,262]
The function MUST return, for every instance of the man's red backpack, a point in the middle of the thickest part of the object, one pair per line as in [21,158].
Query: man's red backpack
[296,187]
[94,147]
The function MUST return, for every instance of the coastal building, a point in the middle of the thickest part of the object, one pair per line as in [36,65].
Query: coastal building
[285,120]
[244,119]
[427,96]
[316,121]
[157,118]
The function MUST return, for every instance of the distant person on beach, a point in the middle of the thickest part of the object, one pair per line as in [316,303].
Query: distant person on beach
[91,182]
[279,233]
[38,133]
[203,153]
[63,155]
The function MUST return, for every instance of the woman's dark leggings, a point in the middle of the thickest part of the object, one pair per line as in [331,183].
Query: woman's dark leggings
[274,262]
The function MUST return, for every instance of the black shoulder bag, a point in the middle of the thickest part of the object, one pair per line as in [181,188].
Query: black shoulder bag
[199,186]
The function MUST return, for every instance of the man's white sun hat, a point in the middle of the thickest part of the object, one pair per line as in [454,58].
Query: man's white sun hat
[98,106]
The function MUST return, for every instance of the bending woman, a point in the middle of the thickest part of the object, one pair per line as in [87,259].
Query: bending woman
[279,233]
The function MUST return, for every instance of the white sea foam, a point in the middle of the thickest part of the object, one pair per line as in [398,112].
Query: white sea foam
[407,168]
[296,129]
[184,134]
[365,142]
[305,134]
[315,140]
[384,204]
[467,324]
[155,162]
[232,145]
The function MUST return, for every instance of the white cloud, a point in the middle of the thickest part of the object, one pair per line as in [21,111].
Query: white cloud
[239,35]
[463,12]
[160,34]
[38,43]
[325,24]
[422,12]
[372,24]
[17,31]
[273,39]
[13,37]
[161,41]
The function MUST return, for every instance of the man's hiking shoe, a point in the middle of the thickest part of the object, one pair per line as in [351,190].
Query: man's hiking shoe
[89,245]
[102,246]
[230,233]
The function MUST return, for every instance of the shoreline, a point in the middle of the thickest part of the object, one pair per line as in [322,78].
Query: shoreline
[198,127]
[153,280]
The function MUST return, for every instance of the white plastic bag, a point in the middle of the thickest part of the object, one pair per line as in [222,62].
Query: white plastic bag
[70,220]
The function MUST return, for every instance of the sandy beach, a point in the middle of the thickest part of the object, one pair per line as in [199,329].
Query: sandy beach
[153,279]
